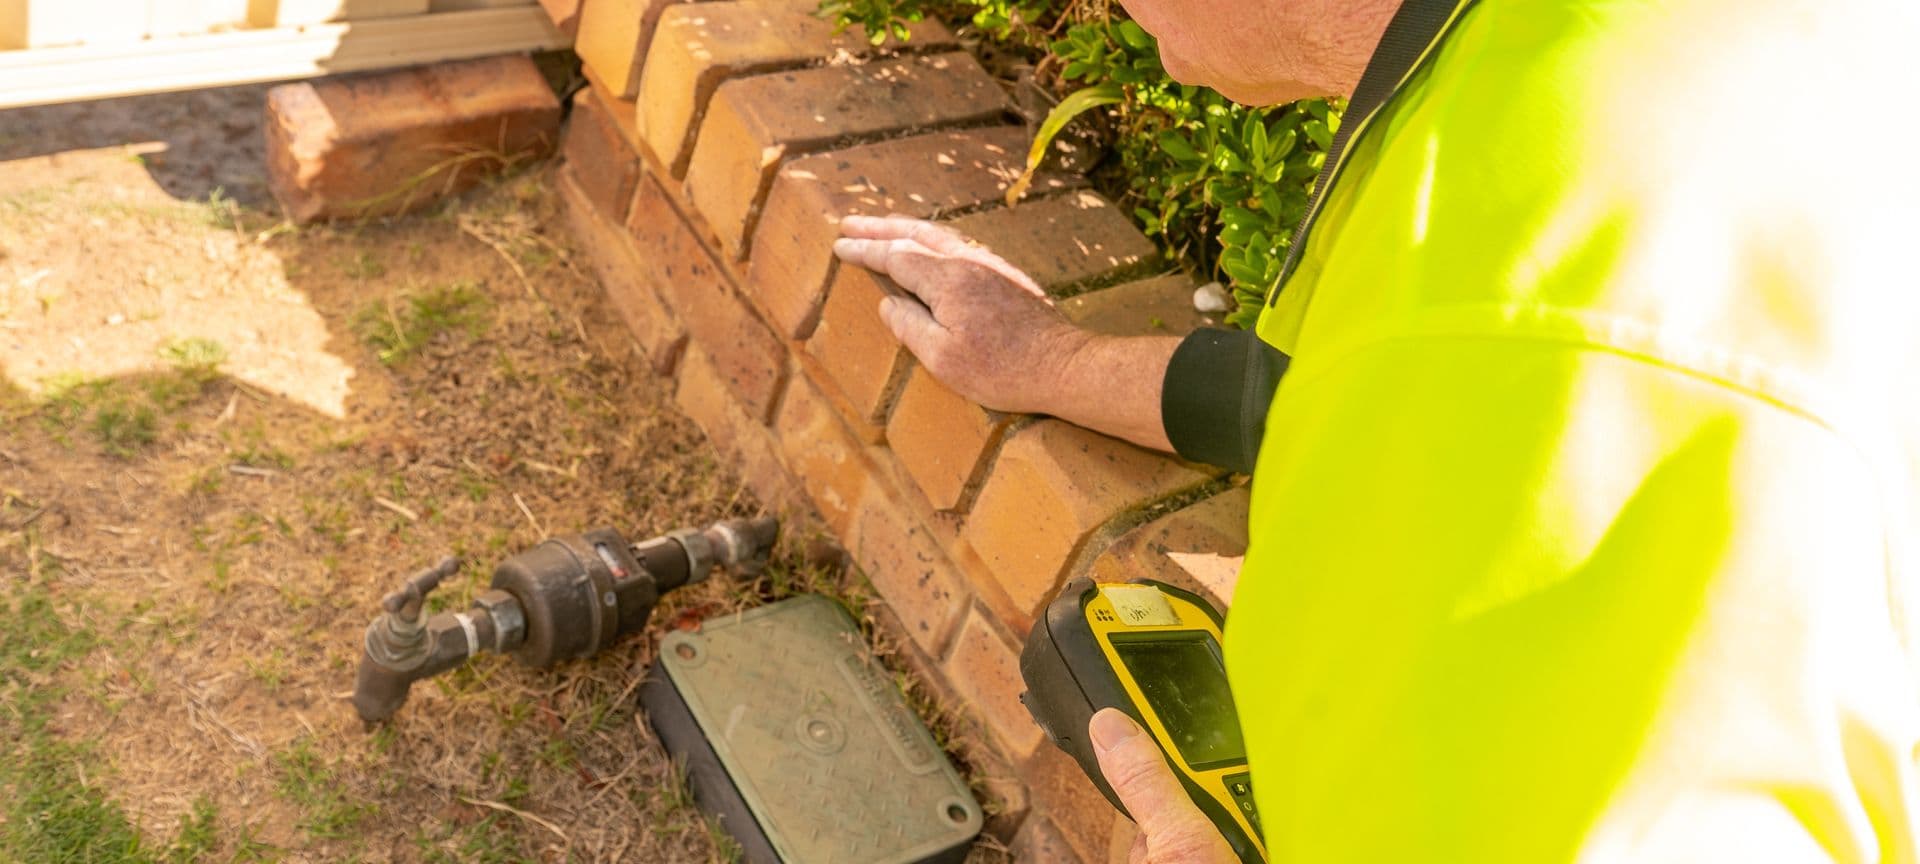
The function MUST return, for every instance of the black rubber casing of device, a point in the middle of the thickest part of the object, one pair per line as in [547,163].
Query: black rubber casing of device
[1069,678]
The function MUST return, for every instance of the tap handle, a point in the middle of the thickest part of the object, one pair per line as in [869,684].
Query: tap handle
[406,601]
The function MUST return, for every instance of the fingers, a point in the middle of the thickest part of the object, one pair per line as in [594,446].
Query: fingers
[1136,769]
[912,324]
[932,235]
[921,271]
[873,253]
[1174,829]
[936,238]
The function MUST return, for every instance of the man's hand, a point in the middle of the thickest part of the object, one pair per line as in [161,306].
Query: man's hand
[985,328]
[1172,828]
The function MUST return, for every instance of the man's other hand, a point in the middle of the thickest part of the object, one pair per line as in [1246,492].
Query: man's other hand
[1172,828]
[980,325]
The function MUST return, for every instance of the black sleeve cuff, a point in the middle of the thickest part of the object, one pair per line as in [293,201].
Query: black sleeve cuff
[1214,399]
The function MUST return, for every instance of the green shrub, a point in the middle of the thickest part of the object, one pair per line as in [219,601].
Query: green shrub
[1221,185]
[1002,19]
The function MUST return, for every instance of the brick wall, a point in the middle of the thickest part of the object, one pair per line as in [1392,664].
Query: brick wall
[707,168]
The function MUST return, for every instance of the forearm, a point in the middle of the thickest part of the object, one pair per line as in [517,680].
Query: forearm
[1112,385]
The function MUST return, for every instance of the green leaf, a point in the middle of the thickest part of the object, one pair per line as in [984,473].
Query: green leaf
[1176,146]
[1134,37]
[1319,134]
[1076,103]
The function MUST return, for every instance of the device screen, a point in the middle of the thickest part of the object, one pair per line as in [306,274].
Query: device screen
[1185,684]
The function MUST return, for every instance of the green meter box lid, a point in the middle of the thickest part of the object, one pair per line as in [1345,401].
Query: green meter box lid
[796,738]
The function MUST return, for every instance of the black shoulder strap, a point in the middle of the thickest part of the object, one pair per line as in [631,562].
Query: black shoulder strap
[1415,29]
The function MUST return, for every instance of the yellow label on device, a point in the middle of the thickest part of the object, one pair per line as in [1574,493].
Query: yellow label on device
[1140,605]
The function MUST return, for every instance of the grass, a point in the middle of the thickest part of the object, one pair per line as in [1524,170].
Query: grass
[125,428]
[308,782]
[396,330]
[267,582]
[199,834]
[124,414]
[488,840]
[363,267]
[50,809]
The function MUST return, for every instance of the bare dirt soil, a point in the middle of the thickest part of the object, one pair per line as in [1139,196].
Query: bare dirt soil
[222,439]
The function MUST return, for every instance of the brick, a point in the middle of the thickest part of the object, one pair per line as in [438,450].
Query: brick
[1161,305]
[923,176]
[565,15]
[384,143]
[868,365]
[987,590]
[1198,548]
[822,454]
[695,48]
[620,111]
[1039,840]
[702,394]
[753,123]
[750,359]
[1064,240]
[613,37]
[940,437]
[985,669]
[908,568]
[599,157]
[1081,817]
[609,251]
[1051,486]
[856,350]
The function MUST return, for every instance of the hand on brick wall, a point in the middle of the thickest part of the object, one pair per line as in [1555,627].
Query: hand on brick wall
[988,331]
[985,329]
[1172,829]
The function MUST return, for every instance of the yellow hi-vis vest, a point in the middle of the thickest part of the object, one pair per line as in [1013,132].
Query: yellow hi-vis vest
[1583,525]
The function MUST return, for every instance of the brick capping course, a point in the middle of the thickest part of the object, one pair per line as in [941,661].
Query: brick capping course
[698,47]
[708,211]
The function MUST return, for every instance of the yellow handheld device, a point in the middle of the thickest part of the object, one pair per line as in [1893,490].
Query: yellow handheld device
[1153,651]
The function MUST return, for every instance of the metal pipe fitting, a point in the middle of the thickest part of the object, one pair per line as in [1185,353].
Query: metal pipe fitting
[566,598]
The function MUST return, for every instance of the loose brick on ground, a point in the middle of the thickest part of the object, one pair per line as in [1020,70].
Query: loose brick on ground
[941,438]
[386,142]
[908,568]
[1052,484]
[924,176]
[613,37]
[985,668]
[750,359]
[609,251]
[1160,305]
[820,451]
[1198,547]
[695,48]
[1064,240]
[599,157]
[859,354]
[755,122]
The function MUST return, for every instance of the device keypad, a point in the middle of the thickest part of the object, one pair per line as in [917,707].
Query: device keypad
[1240,788]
